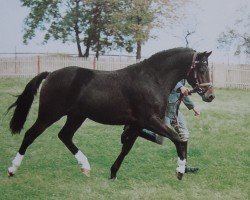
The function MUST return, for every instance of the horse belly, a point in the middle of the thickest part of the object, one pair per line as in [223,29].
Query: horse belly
[111,120]
[108,109]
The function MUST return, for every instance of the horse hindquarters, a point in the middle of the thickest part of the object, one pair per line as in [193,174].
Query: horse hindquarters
[48,113]
[57,99]
[23,104]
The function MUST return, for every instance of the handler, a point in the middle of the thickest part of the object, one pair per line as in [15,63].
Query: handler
[176,120]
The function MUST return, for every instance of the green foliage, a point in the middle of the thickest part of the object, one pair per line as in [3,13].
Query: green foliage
[219,145]
[140,17]
[71,23]
[41,14]
[237,36]
[60,20]
[98,25]
[82,22]
[103,32]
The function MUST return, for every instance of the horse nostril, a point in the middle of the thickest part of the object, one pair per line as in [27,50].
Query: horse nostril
[211,97]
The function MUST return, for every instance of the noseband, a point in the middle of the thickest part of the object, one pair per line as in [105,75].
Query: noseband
[199,87]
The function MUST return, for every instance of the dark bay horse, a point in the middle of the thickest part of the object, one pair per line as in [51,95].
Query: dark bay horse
[135,96]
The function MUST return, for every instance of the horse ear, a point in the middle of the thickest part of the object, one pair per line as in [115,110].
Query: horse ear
[201,55]
[208,54]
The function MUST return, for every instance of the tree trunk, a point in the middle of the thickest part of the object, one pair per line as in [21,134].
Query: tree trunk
[77,32]
[78,42]
[138,48]
[98,45]
[86,54]
[97,50]
[138,51]
[97,54]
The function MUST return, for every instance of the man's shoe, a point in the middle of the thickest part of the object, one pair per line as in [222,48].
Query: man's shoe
[189,169]
[159,139]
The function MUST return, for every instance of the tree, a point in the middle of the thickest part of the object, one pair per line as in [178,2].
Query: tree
[103,31]
[188,33]
[99,25]
[238,36]
[61,20]
[86,22]
[186,30]
[142,16]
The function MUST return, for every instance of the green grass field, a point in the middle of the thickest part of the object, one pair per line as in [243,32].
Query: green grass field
[219,145]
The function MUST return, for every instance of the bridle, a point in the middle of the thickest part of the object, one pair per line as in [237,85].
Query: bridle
[199,87]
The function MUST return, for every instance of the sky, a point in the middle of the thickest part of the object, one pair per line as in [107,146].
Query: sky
[209,17]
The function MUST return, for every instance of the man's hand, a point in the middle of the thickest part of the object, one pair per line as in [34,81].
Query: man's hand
[197,111]
[184,91]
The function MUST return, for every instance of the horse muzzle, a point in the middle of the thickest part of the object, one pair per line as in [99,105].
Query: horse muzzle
[208,96]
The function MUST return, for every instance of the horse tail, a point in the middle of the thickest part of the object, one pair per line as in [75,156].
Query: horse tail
[24,102]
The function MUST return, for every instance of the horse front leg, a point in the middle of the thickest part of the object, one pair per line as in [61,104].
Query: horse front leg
[128,142]
[157,125]
[182,158]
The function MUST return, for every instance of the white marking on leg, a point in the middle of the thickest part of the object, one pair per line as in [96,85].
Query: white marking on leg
[82,160]
[181,165]
[15,163]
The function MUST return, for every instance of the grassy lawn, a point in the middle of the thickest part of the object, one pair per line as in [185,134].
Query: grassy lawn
[219,145]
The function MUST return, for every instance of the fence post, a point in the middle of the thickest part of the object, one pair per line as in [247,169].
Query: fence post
[94,63]
[212,73]
[38,64]
[15,65]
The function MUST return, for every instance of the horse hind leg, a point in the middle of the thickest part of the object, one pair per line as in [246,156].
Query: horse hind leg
[66,136]
[36,130]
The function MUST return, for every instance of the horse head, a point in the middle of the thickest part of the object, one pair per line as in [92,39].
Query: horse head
[198,76]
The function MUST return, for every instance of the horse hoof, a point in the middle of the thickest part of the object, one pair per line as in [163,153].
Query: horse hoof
[179,175]
[10,174]
[113,178]
[86,172]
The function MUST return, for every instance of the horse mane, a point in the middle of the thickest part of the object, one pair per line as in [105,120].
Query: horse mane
[169,53]
[155,58]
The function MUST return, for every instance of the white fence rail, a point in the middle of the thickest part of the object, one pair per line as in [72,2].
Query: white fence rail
[30,66]
[231,76]
[224,76]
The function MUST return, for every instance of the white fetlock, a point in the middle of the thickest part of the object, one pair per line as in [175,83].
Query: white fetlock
[15,164]
[12,170]
[181,165]
[83,161]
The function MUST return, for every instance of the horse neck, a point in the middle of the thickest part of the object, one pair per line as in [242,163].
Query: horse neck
[170,71]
